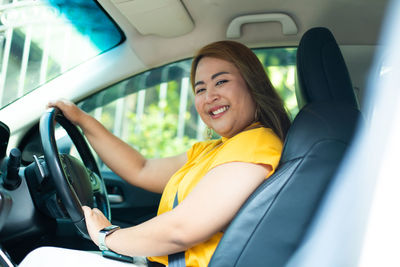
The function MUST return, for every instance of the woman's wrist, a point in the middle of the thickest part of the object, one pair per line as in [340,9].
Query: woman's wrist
[89,125]
[83,120]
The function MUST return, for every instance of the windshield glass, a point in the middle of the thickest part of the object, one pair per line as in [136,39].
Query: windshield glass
[40,40]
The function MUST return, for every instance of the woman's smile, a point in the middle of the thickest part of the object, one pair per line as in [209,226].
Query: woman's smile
[218,111]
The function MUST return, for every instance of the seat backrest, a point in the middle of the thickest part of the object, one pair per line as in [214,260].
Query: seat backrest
[271,224]
[322,74]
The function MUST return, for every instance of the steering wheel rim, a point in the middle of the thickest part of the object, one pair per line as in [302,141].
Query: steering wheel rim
[64,189]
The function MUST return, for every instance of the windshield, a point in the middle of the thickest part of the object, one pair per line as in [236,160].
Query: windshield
[40,40]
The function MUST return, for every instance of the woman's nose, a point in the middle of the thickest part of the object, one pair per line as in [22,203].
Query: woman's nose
[211,96]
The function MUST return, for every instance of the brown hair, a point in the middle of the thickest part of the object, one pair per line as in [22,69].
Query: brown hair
[271,111]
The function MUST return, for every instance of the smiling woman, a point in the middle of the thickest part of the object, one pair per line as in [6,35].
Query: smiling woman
[40,40]
[236,62]
[198,186]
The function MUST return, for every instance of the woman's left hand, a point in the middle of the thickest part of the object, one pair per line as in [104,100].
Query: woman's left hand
[95,221]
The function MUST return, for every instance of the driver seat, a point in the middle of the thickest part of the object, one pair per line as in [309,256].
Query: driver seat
[273,221]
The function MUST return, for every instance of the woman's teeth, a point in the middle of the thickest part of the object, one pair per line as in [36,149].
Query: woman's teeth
[220,110]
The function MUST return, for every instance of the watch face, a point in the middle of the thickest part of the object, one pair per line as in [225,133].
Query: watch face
[111,227]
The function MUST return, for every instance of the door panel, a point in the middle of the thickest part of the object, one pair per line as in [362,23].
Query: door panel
[130,205]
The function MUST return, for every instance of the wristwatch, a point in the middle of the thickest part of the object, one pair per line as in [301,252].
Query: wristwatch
[105,232]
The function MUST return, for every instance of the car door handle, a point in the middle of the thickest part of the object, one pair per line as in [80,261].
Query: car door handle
[115,198]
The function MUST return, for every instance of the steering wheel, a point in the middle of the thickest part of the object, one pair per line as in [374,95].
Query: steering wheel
[76,183]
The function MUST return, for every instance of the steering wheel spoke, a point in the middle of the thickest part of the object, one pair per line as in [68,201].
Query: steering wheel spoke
[95,181]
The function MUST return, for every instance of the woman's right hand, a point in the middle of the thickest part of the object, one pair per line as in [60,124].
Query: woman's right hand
[69,109]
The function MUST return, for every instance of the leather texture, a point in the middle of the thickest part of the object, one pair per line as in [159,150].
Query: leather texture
[272,222]
[322,74]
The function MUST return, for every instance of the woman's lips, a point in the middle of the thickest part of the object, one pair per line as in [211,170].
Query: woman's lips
[218,111]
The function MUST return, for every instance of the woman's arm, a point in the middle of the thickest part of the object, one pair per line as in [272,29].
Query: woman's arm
[150,174]
[208,209]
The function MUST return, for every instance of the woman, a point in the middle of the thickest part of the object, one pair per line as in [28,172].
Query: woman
[235,98]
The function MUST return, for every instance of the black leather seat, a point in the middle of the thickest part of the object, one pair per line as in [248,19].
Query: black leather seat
[272,223]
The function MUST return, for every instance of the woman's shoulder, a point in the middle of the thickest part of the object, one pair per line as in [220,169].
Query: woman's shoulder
[259,145]
[257,136]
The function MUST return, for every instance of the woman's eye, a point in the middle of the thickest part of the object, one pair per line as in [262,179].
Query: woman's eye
[221,82]
[200,90]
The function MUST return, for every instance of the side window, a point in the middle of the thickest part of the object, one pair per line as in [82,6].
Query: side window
[154,111]
[280,65]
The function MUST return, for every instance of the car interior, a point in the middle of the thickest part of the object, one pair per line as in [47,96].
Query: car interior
[131,73]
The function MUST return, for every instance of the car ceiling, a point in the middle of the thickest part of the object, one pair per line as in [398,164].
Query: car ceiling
[353,22]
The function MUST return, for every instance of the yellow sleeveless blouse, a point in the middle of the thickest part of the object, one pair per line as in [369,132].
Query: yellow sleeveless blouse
[258,145]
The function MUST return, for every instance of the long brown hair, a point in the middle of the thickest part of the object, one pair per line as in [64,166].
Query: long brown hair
[271,111]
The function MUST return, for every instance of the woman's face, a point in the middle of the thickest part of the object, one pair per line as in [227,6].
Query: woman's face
[222,97]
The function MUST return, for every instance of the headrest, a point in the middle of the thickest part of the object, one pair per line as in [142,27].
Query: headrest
[322,74]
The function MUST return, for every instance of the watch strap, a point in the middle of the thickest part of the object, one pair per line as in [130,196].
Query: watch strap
[102,241]
[104,233]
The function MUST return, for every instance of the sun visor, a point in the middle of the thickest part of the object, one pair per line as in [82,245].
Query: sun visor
[166,18]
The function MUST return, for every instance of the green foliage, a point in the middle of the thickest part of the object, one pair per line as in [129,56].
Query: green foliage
[156,136]
[280,66]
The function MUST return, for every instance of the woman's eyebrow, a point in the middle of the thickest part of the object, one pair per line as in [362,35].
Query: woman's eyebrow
[197,83]
[212,77]
[218,73]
